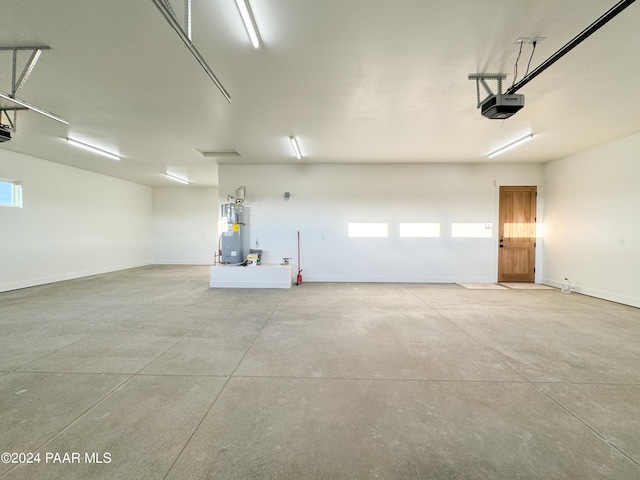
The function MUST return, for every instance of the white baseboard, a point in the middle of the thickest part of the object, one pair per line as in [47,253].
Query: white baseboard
[183,262]
[393,279]
[68,276]
[594,292]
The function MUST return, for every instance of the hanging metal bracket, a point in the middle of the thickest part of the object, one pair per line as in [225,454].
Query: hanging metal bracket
[18,81]
[11,122]
[481,79]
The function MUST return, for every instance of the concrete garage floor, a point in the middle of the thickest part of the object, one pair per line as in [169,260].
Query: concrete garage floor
[160,377]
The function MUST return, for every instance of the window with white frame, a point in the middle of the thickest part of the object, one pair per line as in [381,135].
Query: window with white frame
[368,230]
[419,230]
[10,193]
[472,230]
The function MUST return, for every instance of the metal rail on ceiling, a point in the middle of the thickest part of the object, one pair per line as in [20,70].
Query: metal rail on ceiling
[599,23]
[169,15]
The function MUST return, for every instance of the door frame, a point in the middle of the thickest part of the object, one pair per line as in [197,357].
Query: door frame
[539,251]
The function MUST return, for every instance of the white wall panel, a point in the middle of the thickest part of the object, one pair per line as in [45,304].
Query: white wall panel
[185,225]
[592,221]
[74,223]
[326,198]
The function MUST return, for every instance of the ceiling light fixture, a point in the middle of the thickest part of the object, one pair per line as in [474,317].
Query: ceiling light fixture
[187,19]
[296,148]
[177,179]
[511,145]
[33,108]
[93,149]
[249,22]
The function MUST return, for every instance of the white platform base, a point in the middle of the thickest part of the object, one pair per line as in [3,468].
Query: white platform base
[262,276]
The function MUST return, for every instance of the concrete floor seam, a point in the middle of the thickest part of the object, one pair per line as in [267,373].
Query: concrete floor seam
[586,424]
[196,428]
[527,380]
[69,425]
[219,393]
[484,347]
[172,345]
[17,369]
[318,381]
[386,379]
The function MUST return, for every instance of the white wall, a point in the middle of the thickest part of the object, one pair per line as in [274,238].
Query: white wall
[185,225]
[592,202]
[74,223]
[325,198]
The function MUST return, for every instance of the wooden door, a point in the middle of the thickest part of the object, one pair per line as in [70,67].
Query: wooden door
[517,234]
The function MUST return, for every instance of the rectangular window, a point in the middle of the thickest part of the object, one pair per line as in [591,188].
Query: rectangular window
[10,193]
[368,230]
[471,230]
[419,230]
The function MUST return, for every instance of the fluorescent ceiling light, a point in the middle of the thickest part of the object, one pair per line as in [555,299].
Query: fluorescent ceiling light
[177,179]
[511,145]
[39,110]
[249,22]
[93,149]
[296,148]
[187,18]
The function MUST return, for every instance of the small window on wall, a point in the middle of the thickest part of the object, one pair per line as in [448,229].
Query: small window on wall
[10,193]
[368,230]
[472,230]
[419,230]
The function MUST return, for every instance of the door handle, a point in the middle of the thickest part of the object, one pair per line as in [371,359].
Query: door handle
[501,246]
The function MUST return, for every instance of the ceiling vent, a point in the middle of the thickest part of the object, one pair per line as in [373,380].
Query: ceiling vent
[217,153]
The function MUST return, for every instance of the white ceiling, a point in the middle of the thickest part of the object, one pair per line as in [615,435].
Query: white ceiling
[357,81]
